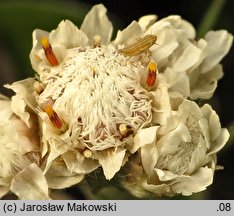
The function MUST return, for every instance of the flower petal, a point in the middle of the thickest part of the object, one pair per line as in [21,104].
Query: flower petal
[97,23]
[111,161]
[146,21]
[59,177]
[23,89]
[189,57]
[146,138]
[219,43]
[207,83]
[30,184]
[78,163]
[165,175]
[129,34]
[220,141]
[68,35]
[186,185]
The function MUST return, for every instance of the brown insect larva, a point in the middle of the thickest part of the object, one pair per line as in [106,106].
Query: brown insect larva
[139,46]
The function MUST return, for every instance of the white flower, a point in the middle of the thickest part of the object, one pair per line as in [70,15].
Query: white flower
[19,147]
[99,101]
[94,91]
[191,67]
[180,157]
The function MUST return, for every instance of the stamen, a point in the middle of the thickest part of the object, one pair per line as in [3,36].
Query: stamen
[39,87]
[125,130]
[49,51]
[54,118]
[152,69]
[87,153]
[96,41]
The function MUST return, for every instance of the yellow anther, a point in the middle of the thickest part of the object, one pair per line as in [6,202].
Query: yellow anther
[54,118]
[152,72]
[39,87]
[87,153]
[49,51]
[125,130]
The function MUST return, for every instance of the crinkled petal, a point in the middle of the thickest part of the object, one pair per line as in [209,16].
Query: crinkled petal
[129,34]
[24,89]
[97,23]
[146,138]
[170,142]
[207,83]
[219,143]
[19,105]
[186,185]
[165,46]
[68,35]
[59,177]
[188,58]
[214,122]
[111,161]
[30,184]
[219,43]
[165,175]
[37,54]
[78,163]
[146,21]
[159,190]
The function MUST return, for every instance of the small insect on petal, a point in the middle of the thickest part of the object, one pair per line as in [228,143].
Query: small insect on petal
[152,73]
[140,46]
[54,118]
[49,51]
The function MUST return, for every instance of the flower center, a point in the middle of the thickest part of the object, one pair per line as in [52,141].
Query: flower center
[97,93]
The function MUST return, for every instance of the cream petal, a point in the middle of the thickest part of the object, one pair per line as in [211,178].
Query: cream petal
[37,54]
[24,89]
[169,143]
[19,106]
[159,190]
[188,58]
[129,34]
[221,140]
[199,156]
[146,21]
[59,177]
[186,185]
[219,43]
[207,83]
[146,138]
[68,35]
[97,23]
[214,122]
[111,161]
[165,175]
[166,44]
[77,163]
[188,28]
[30,184]
[182,85]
